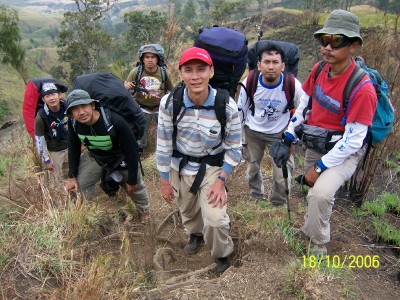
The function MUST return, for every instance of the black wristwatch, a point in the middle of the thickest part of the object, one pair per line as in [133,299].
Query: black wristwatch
[317,169]
[224,179]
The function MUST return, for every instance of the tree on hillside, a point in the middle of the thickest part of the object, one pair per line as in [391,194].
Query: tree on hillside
[11,51]
[189,12]
[144,29]
[83,43]
[222,11]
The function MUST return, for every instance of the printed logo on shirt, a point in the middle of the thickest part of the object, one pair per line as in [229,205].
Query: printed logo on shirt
[269,109]
[152,84]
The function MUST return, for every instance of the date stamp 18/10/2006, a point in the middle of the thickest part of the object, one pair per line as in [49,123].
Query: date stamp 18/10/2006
[338,262]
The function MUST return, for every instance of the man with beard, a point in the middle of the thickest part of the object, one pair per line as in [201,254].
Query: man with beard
[266,119]
[327,169]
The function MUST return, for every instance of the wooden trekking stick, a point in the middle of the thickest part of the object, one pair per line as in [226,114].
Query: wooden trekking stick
[285,176]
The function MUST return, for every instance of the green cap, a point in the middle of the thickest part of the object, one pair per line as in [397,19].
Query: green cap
[78,97]
[341,22]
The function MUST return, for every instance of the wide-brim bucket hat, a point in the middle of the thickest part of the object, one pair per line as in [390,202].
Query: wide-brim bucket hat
[341,22]
[78,97]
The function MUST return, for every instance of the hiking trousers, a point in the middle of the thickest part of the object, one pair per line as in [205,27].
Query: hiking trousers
[60,162]
[199,217]
[89,173]
[257,143]
[143,142]
[321,197]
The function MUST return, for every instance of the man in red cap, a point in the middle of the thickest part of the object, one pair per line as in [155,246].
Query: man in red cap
[196,154]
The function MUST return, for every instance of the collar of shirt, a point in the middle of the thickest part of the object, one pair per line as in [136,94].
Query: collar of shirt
[273,86]
[209,101]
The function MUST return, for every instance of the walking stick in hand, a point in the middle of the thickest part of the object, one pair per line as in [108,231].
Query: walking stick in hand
[285,176]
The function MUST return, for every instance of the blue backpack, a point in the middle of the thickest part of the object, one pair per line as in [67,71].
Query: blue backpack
[384,117]
[228,50]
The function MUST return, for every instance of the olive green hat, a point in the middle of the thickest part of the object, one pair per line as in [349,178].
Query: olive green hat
[341,22]
[78,97]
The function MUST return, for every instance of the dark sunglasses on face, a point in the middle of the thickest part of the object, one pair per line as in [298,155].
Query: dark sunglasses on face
[335,40]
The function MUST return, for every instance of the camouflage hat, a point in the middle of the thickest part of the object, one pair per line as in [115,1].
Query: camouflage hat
[341,22]
[150,48]
[78,97]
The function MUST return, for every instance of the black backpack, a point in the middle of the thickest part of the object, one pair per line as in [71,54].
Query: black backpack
[292,55]
[160,63]
[228,50]
[112,95]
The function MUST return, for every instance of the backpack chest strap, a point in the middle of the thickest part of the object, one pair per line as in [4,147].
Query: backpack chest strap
[216,160]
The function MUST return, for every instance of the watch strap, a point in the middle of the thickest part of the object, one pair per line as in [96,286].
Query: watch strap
[224,179]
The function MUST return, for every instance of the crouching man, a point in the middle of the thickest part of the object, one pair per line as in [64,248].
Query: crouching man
[113,158]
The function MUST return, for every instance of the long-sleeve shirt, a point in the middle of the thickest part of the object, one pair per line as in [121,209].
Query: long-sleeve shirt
[198,132]
[327,112]
[105,149]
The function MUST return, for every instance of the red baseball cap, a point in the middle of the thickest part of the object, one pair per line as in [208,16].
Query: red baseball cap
[195,53]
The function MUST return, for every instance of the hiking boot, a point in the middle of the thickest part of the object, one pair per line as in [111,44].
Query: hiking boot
[317,250]
[299,234]
[194,243]
[279,205]
[222,264]
[144,217]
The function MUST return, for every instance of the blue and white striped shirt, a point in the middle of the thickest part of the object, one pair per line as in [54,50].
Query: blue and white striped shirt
[198,132]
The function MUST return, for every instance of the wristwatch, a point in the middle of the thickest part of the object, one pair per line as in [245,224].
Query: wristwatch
[224,179]
[317,169]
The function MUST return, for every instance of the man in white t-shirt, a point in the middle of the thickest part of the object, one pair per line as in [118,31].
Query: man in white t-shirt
[265,119]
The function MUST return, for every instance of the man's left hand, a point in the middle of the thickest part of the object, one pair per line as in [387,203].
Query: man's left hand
[311,176]
[131,188]
[217,194]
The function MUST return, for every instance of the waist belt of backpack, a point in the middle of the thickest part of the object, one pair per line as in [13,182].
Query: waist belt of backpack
[148,107]
[216,160]
[108,160]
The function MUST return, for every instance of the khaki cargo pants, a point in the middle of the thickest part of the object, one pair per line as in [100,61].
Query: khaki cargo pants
[199,217]
[322,196]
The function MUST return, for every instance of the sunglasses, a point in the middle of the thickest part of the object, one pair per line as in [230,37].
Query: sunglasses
[335,40]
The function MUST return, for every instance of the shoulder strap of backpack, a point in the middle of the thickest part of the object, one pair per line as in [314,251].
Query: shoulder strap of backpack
[318,71]
[220,103]
[139,72]
[106,114]
[176,96]
[289,88]
[355,78]
[44,115]
[164,78]
[251,87]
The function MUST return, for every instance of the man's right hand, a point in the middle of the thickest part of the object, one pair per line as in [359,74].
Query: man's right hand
[49,166]
[129,85]
[280,151]
[167,191]
[71,185]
